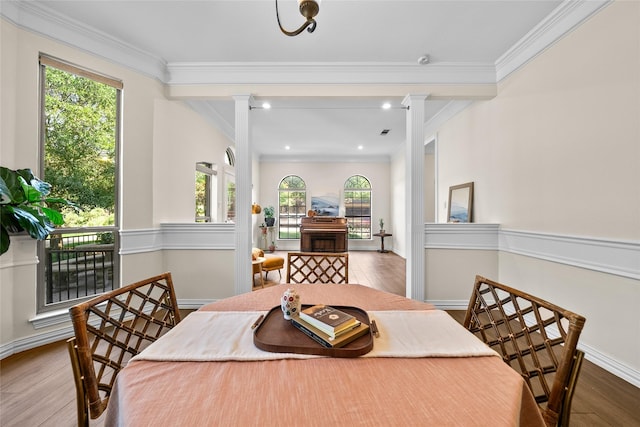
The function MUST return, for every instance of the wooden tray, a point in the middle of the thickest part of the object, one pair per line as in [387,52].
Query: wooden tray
[277,335]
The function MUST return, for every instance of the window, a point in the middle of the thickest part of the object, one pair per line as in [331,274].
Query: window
[292,206]
[230,180]
[205,185]
[357,207]
[79,136]
[230,185]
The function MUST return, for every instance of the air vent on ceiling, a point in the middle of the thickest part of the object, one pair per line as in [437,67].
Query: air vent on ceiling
[385,131]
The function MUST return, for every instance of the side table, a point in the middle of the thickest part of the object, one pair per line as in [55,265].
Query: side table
[382,236]
[258,262]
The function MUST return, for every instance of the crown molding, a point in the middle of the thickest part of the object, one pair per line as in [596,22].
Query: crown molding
[556,25]
[41,20]
[189,73]
[336,158]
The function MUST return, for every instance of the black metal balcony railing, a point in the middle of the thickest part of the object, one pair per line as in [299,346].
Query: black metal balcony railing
[78,265]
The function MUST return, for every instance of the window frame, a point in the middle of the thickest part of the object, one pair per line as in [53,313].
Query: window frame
[284,210]
[229,186]
[45,61]
[355,222]
[209,171]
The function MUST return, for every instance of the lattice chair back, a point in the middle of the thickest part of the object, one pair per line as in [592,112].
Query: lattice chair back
[317,267]
[535,337]
[112,328]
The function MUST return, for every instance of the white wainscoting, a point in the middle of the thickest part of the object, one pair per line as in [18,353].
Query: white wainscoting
[618,257]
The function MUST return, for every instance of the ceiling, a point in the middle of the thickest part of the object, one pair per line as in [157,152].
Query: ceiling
[357,43]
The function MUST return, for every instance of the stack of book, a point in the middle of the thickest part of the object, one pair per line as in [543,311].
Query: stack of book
[329,326]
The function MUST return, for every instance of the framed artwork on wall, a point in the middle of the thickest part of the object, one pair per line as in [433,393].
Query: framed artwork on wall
[460,203]
[326,205]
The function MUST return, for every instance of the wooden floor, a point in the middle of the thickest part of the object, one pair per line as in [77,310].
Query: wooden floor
[36,386]
[385,272]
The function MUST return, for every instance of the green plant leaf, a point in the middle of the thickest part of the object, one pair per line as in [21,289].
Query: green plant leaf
[54,216]
[5,195]
[32,193]
[41,187]
[8,219]
[24,206]
[12,187]
[4,240]
[33,222]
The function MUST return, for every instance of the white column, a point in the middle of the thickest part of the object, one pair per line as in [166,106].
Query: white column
[243,270]
[414,195]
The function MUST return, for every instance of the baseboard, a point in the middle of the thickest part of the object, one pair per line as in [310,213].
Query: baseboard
[449,304]
[34,341]
[193,304]
[620,370]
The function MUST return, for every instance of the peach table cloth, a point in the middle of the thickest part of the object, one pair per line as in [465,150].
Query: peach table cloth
[438,391]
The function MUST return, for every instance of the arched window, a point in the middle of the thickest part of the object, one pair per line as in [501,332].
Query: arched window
[230,157]
[357,206]
[292,206]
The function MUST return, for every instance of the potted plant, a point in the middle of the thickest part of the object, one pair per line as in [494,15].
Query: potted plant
[25,207]
[269,213]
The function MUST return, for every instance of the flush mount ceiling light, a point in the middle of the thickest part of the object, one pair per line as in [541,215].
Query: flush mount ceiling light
[308,9]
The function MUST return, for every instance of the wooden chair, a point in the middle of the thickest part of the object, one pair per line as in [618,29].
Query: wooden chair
[112,328]
[317,267]
[535,337]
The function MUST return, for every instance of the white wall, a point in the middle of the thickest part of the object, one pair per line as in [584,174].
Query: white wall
[181,139]
[398,206]
[557,152]
[430,187]
[329,178]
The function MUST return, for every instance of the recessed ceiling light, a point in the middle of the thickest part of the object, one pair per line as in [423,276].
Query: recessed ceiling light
[360,147]
[266,105]
[386,106]
[286,147]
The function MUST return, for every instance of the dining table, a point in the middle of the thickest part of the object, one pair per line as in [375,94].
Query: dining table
[425,369]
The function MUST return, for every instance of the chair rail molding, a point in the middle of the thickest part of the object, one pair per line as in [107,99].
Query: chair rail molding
[618,257]
[461,236]
[198,236]
[187,236]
